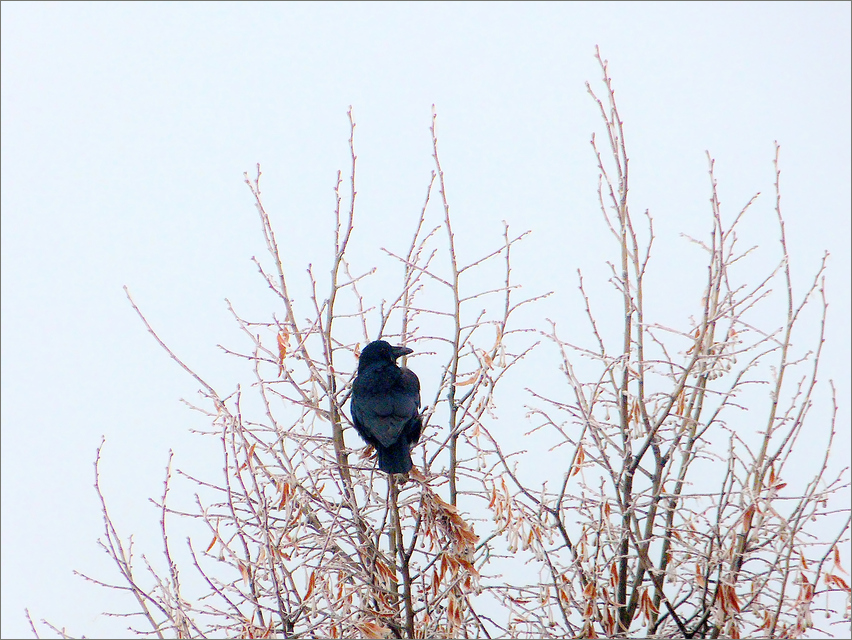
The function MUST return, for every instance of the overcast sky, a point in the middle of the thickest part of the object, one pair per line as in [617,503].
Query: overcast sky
[126,129]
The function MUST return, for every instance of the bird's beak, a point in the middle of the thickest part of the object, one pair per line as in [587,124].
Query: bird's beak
[398,352]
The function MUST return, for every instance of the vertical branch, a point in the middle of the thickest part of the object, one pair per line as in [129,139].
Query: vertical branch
[456,341]
[760,469]
[618,195]
[409,274]
[340,244]
[398,548]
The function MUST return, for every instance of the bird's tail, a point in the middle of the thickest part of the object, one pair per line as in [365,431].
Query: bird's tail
[396,458]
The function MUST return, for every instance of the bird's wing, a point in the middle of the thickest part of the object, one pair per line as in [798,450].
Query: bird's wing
[410,384]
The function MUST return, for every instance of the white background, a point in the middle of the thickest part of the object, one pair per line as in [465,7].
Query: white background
[126,129]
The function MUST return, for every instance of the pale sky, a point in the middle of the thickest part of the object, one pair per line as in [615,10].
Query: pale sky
[126,129]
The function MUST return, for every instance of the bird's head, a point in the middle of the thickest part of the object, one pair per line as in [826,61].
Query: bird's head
[380,351]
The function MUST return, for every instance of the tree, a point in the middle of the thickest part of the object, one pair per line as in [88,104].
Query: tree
[675,512]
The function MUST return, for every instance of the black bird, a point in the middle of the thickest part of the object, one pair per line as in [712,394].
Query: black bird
[385,405]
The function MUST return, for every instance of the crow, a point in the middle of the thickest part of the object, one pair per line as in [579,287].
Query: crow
[385,405]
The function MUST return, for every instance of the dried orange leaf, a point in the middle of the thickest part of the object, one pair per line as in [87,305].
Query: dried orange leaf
[311,584]
[285,494]
[581,456]
[244,570]
[748,517]
[283,339]
[832,580]
[470,380]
